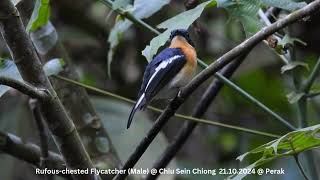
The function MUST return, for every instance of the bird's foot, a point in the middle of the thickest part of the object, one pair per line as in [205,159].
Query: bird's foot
[179,96]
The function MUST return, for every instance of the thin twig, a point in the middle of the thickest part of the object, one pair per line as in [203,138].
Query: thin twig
[43,135]
[295,155]
[208,72]
[256,102]
[130,17]
[182,117]
[24,88]
[314,74]
[300,167]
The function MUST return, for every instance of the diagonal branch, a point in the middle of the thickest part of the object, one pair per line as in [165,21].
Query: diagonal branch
[205,74]
[187,129]
[25,88]
[76,100]
[28,152]
[61,126]
[43,136]
[182,117]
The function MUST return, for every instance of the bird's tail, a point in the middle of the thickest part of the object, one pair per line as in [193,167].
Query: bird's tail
[138,106]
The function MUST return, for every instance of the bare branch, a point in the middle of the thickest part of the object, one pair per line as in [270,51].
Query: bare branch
[208,72]
[30,68]
[28,152]
[76,100]
[24,88]
[43,135]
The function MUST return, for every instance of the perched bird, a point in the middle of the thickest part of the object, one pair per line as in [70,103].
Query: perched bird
[170,70]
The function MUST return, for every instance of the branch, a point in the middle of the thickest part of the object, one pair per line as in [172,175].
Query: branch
[43,136]
[75,98]
[188,127]
[129,16]
[314,74]
[190,4]
[28,152]
[255,101]
[205,74]
[182,117]
[30,68]
[24,88]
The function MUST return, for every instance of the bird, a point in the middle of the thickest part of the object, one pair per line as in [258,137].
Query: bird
[168,71]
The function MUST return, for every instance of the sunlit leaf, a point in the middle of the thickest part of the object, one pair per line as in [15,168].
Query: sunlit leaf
[40,15]
[8,69]
[54,66]
[285,4]
[292,65]
[141,9]
[292,143]
[180,21]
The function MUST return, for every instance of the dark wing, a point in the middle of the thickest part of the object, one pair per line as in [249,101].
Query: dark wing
[157,74]
[150,69]
[162,69]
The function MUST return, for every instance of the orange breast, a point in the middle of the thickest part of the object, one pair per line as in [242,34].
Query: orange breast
[187,72]
[188,50]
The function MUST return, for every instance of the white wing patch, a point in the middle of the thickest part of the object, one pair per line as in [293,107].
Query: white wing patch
[162,65]
[139,101]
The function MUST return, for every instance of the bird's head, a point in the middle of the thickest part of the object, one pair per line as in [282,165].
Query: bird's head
[181,33]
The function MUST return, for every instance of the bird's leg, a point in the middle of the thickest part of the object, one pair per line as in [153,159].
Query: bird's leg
[179,94]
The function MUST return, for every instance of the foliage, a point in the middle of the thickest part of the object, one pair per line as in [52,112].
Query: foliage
[40,15]
[140,10]
[180,21]
[292,143]
[289,5]
[54,66]
[8,69]
[244,11]
[258,82]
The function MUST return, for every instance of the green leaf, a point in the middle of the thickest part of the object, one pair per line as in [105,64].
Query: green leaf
[293,65]
[285,4]
[245,12]
[180,21]
[8,69]
[114,39]
[292,143]
[40,15]
[294,97]
[54,66]
[141,9]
